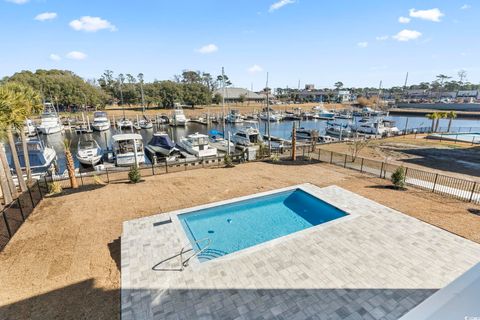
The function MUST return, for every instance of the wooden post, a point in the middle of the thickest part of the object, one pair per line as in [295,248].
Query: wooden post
[294,142]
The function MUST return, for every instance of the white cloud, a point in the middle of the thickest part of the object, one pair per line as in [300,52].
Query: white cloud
[55,57]
[76,55]
[281,3]
[465,7]
[407,35]
[46,16]
[209,48]
[404,20]
[91,24]
[255,69]
[362,44]
[18,1]
[382,38]
[430,14]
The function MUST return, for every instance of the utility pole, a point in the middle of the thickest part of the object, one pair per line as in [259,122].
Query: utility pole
[223,101]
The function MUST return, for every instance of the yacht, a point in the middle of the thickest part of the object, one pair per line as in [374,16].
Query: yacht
[160,146]
[30,129]
[178,117]
[306,134]
[197,144]
[50,120]
[42,159]
[272,117]
[89,152]
[124,149]
[248,136]
[369,112]
[100,121]
[337,128]
[375,126]
[234,116]
[124,123]
[324,115]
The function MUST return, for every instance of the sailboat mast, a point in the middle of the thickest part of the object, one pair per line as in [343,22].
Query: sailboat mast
[268,118]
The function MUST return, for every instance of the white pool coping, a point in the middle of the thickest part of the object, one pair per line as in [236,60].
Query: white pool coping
[306,187]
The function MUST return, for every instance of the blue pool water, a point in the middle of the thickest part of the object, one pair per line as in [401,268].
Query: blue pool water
[243,224]
[472,137]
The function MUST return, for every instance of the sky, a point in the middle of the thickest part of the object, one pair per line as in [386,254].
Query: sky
[312,42]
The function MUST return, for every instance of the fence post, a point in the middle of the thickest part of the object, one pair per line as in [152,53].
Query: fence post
[108,177]
[6,224]
[21,209]
[361,166]
[381,170]
[203,162]
[405,177]
[435,182]
[153,169]
[303,154]
[331,157]
[319,159]
[40,190]
[185,164]
[166,165]
[31,198]
[345,161]
[473,190]
[81,178]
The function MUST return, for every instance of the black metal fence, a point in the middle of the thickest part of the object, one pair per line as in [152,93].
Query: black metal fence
[119,174]
[14,214]
[461,189]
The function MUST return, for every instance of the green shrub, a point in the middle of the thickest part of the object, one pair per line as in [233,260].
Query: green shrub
[54,187]
[228,161]
[275,158]
[398,178]
[134,175]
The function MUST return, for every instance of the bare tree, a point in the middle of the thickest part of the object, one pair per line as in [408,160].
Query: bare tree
[356,145]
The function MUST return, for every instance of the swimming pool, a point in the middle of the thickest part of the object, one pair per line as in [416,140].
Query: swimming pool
[235,226]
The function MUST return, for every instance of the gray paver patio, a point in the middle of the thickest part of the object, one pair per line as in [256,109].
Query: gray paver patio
[376,264]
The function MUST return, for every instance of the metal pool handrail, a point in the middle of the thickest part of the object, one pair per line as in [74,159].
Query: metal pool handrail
[184,263]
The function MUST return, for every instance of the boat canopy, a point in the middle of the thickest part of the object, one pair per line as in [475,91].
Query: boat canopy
[35,154]
[100,114]
[88,144]
[162,140]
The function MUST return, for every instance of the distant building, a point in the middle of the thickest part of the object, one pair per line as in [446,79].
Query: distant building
[234,95]
[309,87]
[344,96]
[475,94]
[313,95]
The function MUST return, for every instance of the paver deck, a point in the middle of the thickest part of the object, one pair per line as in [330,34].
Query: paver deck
[377,264]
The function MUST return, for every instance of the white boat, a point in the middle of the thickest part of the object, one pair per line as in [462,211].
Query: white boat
[124,123]
[324,115]
[178,117]
[100,121]
[272,117]
[124,149]
[375,126]
[145,123]
[234,116]
[42,159]
[248,136]
[30,129]
[89,152]
[197,144]
[50,121]
[160,146]
[222,144]
[306,134]
[339,129]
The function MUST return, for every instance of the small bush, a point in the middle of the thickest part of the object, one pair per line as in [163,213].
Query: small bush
[134,175]
[97,180]
[228,161]
[398,178]
[54,187]
[275,158]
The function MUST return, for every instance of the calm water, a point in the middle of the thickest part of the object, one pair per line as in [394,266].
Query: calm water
[280,129]
[243,224]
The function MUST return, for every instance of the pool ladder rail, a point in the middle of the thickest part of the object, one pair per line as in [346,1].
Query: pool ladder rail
[184,262]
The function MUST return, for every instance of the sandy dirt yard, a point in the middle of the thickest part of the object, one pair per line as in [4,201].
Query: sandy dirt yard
[459,159]
[64,261]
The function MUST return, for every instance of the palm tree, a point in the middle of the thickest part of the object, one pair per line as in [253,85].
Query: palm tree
[20,102]
[440,115]
[451,115]
[433,117]
[70,164]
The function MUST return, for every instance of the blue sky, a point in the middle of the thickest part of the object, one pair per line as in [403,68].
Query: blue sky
[319,42]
